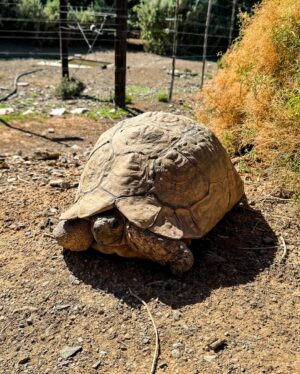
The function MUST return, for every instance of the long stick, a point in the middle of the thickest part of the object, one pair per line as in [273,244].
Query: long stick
[284,248]
[174,52]
[231,22]
[156,353]
[120,53]
[62,38]
[205,41]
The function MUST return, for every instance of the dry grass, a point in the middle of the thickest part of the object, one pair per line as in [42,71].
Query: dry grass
[255,97]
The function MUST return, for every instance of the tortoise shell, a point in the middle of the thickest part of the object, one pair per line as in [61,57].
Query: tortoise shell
[163,172]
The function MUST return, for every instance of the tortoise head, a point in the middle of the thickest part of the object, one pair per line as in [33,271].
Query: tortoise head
[108,228]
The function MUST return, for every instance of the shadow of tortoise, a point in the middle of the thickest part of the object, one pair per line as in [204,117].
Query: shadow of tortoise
[240,247]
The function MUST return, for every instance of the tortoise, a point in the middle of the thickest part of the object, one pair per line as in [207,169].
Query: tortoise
[151,184]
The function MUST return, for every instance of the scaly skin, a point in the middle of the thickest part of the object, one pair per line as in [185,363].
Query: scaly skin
[163,250]
[107,234]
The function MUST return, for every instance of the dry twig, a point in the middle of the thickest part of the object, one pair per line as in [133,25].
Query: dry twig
[4,328]
[157,347]
[284,248]
[22,180]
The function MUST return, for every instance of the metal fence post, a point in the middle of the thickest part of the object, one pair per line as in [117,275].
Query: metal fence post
[120,53]
[63,17]
[205,41]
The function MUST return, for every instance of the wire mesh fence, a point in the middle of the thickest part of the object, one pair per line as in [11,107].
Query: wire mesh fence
[91,50]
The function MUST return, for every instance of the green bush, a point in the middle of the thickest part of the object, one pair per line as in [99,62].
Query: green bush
[69,88]
[152,20]
[51,10]
[151,15]
[83,16]
[33,11]
[162,96]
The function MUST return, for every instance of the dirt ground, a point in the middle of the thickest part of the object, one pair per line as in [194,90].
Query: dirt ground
[147,74]
[243,289]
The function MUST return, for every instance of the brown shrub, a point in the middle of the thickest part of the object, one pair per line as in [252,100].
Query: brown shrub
[255,97]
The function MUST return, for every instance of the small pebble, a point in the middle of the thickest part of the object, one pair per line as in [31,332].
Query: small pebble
[96,364]
[176,315]
[67,351]
[175,353]
[209,358]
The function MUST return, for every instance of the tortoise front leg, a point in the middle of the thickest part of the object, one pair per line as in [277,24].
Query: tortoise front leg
[160,249]
[75,235]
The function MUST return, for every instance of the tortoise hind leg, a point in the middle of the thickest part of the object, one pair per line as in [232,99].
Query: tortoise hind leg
[163,250]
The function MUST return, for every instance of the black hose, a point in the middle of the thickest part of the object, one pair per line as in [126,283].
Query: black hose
[14,90]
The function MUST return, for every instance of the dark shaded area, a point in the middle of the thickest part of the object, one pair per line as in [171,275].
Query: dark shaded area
[233,253]
[134,111]
[55,139]
[67,139]
[15,48]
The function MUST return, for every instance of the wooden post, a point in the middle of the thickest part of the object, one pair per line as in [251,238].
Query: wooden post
[63,17]
[231,22]
[205,41]
[120,52]
[174,52]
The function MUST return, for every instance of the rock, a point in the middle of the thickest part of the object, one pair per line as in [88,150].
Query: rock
[217,345]
[177,345]
[67,351]
[209,358]
[51,130]
[46,155]
[24,360]
[73,279]
[175,353]
[96,364]
[47,223]
[75,148]
[176,315]
[63,363]
[57,112]
[5,111]
[27,112]
[79,110]
[60,183]
[62,306]
[17,158]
